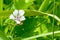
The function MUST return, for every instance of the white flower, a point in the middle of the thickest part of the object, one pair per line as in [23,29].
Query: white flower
[17,16]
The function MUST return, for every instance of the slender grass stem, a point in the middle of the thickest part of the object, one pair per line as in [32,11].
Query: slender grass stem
[53,23]
[1,21]
[31,13]
[41,35]
[12,29]
[44,5]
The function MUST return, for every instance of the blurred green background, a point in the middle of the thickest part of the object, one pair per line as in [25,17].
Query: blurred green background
[38,24]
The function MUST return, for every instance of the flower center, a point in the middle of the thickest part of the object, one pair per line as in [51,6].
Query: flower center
[17,18]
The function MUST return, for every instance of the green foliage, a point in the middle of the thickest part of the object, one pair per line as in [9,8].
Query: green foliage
[22,4]
[3,36]
[42,20]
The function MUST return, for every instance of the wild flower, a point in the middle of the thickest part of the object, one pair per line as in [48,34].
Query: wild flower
[18,16]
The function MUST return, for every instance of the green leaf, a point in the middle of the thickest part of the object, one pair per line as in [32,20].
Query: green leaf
[22,4]
[3,36]
[1,5]
[19,4]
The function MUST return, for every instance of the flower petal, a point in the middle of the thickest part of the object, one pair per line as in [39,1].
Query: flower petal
[18,22]
[21,12]
[11,17]
[22,18]
[15,13]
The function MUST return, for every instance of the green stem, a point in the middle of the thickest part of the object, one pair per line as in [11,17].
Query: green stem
[53,22]
[44,5]
[12,29]
[41,35]
[1,21]
[1,5]
[31,13]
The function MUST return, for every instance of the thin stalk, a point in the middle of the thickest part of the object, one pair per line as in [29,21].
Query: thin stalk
[12,29]
[41,35]
[44,5]
[31,13]
[1,21]
[53,22]
[54,7]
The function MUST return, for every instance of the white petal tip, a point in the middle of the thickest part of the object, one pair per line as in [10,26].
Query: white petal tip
[15,13]
[21,12]
[22,18]
[11,16]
